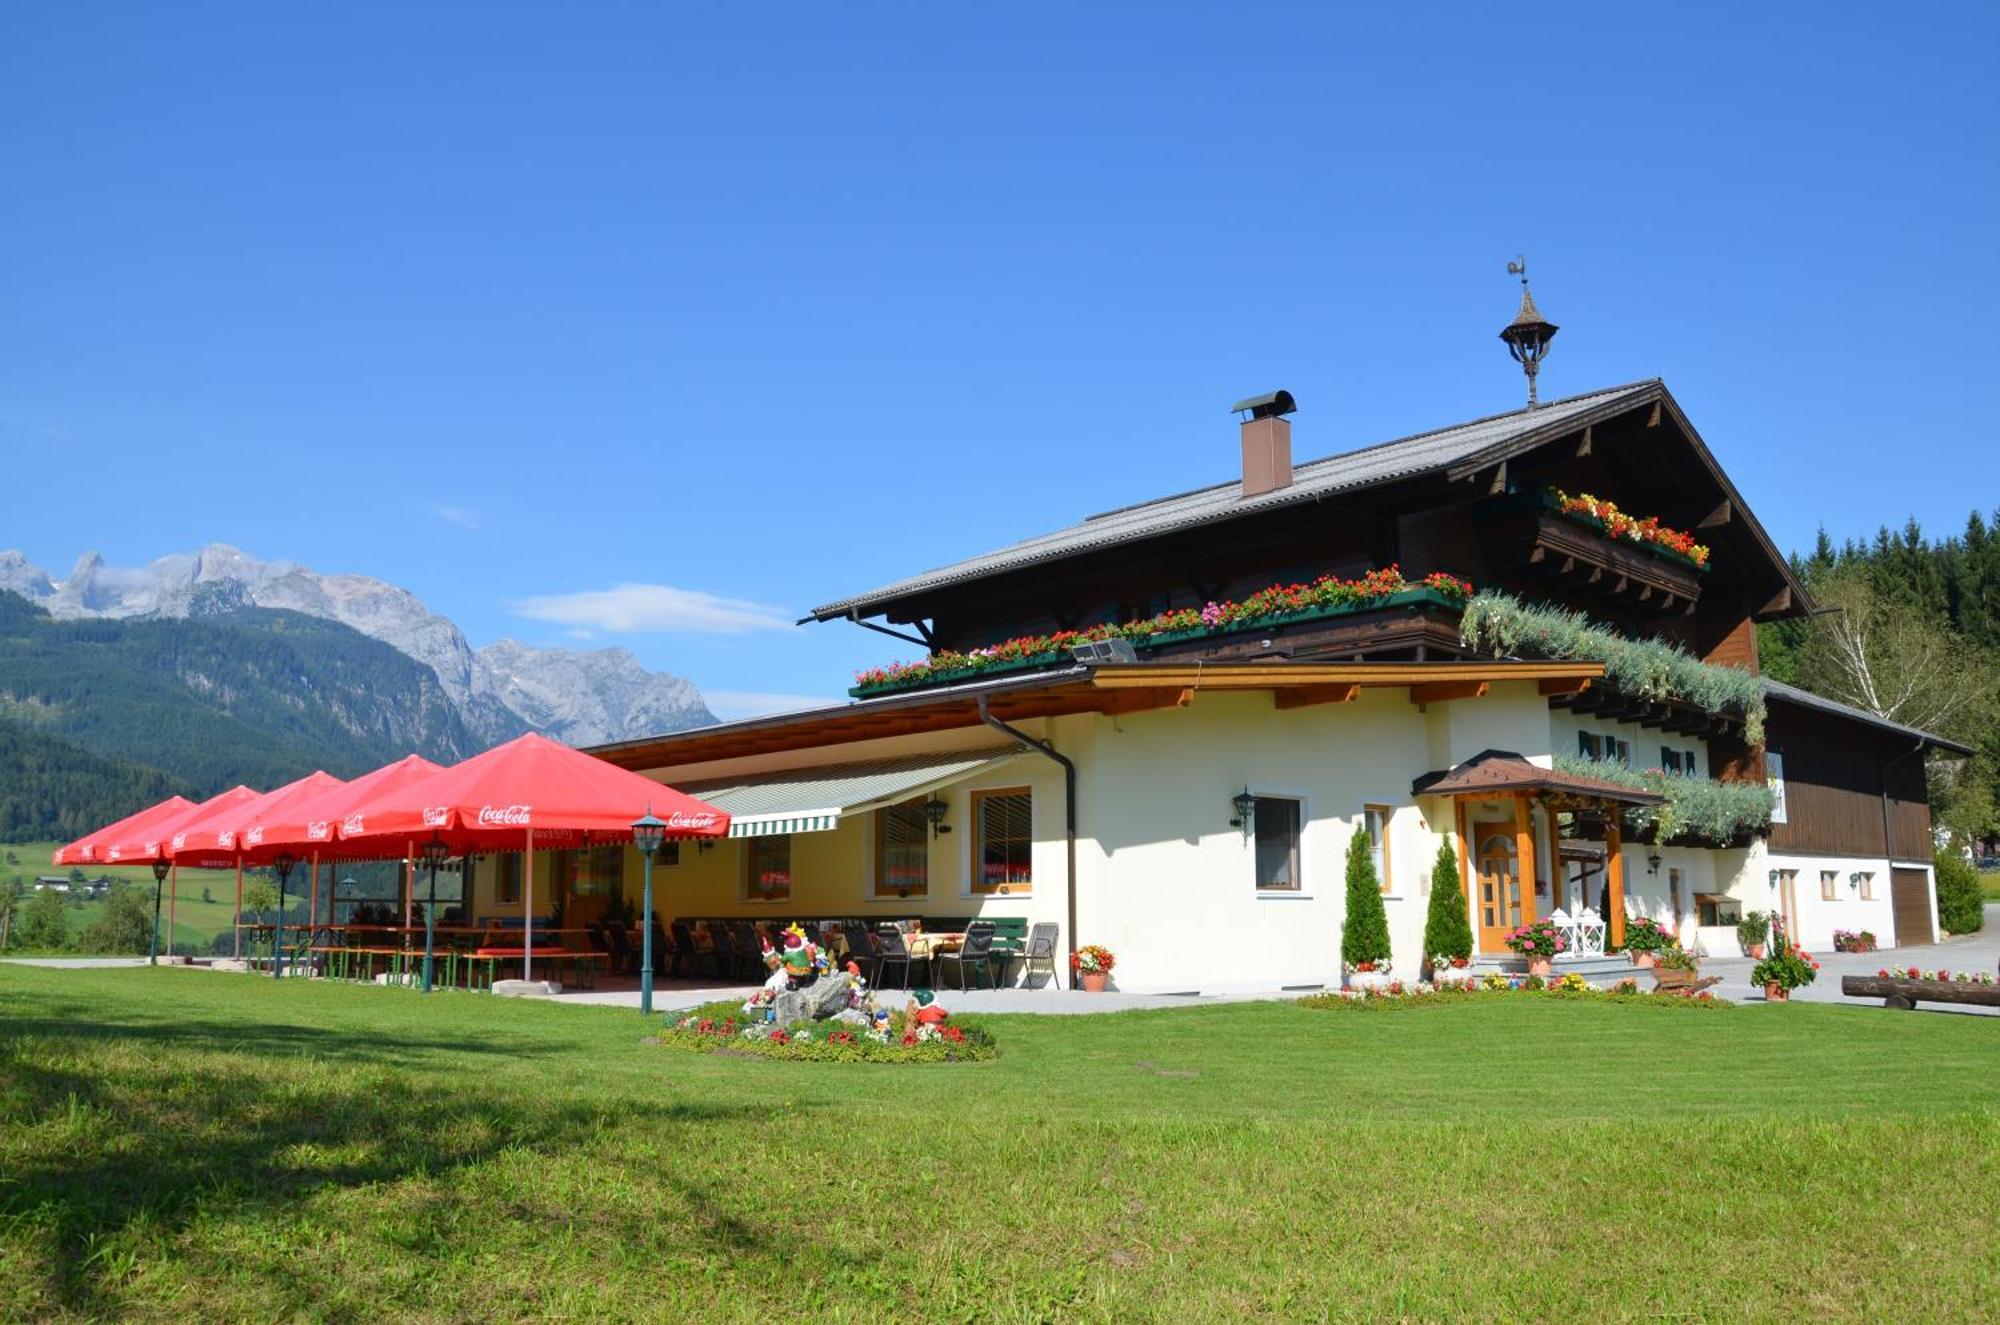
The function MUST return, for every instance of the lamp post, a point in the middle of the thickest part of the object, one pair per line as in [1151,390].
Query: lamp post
[160,868]
[283,864]
[647,834]
[436,851]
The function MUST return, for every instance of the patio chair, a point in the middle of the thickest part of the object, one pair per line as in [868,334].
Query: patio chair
[663,953]
[861,949]
[977,950]
[1041,951]
[687,953]
[891,951]
[752,945]
[612,941]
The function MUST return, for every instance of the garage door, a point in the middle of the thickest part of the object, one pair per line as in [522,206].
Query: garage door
[1910,892]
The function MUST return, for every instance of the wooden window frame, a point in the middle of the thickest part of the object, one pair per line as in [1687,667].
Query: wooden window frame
[975,885]
[1297,888]
[1867,885]
[881,892]
[1385,814]
[750,845]
[1829,885]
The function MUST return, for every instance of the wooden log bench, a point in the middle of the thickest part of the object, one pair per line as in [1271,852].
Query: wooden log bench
[1900,991]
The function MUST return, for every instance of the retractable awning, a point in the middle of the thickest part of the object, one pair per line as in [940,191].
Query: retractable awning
[813,800]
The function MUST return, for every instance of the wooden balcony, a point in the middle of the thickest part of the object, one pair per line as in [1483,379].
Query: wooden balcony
[1580,561]
[1421,632]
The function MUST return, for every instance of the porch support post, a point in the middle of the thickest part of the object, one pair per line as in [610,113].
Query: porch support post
[1614,877]
[1464,858]
[1524,855]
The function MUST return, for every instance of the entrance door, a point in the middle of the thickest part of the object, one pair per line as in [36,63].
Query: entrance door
[1497,885]
[1910,899]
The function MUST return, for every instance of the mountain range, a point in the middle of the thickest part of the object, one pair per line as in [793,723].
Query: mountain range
[581,697]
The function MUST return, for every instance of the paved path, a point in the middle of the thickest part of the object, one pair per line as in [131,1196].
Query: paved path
[75,963]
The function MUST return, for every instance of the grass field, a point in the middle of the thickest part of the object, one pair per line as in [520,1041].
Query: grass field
[187,1145]
[196,922]
[1990,881]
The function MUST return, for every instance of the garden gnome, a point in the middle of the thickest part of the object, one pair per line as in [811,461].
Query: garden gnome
[798,957]
[924,1009]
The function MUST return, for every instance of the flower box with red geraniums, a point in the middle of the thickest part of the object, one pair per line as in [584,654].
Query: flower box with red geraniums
[1849,940]
[1280,603]
[1092,964]
[1985,978]
[1615,524]
[1371,975]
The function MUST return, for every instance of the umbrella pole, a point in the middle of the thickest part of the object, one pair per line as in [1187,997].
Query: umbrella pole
[239,909]
[409,891]
[173,907]
[528,907]
[312,915]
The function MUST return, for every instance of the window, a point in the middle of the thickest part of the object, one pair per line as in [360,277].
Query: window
[767,871]
[1774,773]
[1867,886]
[1670,760]
[1829,885]
[1687,763]
[1003,839]
[1276,820]
[1589,745]
[1674,896]
[1375,818]
[1619,751]
[902,850]
[590,872]
[507,879]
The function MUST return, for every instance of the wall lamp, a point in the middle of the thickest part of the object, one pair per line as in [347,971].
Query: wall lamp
[935,810]
[1653,863]
[1245,806]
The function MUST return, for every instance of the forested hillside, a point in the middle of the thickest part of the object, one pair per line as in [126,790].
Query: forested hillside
[1910,630]
[115,714]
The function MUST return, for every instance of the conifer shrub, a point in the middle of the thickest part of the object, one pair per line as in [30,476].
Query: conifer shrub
[1447,926]
[1364,935]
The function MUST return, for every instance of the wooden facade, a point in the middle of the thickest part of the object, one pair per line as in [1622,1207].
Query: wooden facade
[1843,783]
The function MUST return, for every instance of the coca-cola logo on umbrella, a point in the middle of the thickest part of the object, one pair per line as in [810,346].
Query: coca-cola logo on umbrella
[351,825]
[225,840]
[251,838]
[505,816]
[321,830]
[436,816]
[682,819]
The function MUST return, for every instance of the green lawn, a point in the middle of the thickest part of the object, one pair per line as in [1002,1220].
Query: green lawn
[183,1145]
[196,922]
[1990,881]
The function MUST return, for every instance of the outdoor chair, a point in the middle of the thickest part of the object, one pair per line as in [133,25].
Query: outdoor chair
[687,953]
[752,945]
[663,952]
[728,961]
[891,952]
[977,950]
[861,949]
[1041,951]
[612,940]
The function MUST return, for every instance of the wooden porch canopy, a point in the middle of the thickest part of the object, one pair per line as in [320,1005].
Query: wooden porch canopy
[1112,688]
[1502,775]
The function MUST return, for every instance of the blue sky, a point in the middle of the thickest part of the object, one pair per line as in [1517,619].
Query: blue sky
[519,306]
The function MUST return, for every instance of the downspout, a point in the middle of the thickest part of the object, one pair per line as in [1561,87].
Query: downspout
[1069,810]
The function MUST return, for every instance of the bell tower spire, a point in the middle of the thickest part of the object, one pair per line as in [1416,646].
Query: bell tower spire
[1529,334]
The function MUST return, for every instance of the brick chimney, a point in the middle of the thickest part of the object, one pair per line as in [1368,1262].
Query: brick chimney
[1267,442]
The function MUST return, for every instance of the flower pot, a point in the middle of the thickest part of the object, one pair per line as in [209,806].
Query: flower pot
[1757,952]
[1776,993]
[1094,981]
[1368,979]
[1540,966]
[1644,960]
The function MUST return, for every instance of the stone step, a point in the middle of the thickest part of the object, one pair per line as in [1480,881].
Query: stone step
[1590,968]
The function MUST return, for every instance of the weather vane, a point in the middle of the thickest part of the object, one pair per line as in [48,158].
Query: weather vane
[1529,334]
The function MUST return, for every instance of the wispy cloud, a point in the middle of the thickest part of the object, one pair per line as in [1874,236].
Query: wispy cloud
[730,705]
[628,608]
[457,515]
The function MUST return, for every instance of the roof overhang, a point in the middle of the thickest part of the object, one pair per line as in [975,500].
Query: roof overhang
[1110,689]
[1504,773]
[1778,692]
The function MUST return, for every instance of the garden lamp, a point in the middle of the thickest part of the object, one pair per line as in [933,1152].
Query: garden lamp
[283,864]
[160,868]
[647,834]
[435,853]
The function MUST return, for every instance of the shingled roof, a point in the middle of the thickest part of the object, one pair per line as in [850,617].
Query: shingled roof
[1502,771]
[1426,452]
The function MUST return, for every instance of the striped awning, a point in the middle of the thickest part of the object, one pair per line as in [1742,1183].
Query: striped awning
[813,800]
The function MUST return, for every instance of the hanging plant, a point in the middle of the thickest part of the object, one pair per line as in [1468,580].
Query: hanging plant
[1696,810]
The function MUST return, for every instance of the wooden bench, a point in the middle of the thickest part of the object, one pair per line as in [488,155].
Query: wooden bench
[1900,991]
[1674,980]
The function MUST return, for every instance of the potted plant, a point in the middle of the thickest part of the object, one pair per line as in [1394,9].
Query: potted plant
[1751,931]
[1645,939]
[1539,941]
[1092,965]
[1448,926]
[1782,972]
[1364,934]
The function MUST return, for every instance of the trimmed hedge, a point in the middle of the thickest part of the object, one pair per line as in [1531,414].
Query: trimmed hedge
[1961,901]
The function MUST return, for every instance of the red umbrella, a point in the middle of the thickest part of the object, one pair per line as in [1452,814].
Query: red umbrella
[89,847]
[154,840]
[223,831]
[310,824]
[500,801]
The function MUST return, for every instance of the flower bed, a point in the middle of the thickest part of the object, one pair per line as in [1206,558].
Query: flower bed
[1276,605]
[1613,523]
[1495,985]
[1947,976]
[725,1026]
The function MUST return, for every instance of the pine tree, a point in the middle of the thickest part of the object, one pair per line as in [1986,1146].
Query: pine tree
[1364,936]
[1447,928]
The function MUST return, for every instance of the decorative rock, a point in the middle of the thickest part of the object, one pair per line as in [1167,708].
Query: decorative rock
[793,1006]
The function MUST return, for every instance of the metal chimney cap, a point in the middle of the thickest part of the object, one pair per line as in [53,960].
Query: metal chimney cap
[1269,405]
